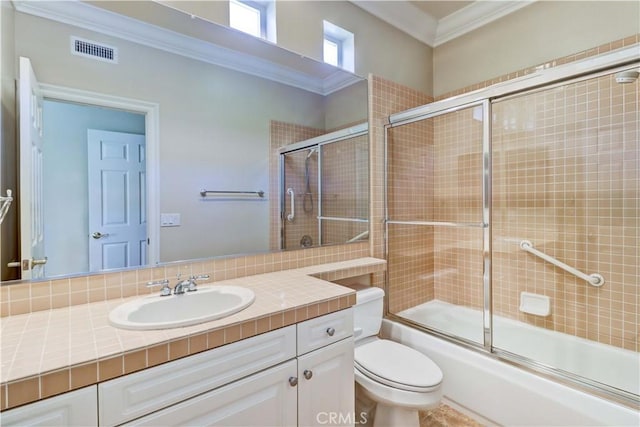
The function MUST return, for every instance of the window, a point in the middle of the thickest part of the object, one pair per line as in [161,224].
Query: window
[332,51]
[338,47]
[253,17]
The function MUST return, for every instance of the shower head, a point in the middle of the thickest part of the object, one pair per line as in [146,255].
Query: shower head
[628,76]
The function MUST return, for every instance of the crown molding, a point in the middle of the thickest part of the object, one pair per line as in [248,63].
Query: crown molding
[92,18]
[404,16]
[474,16]
[425,28]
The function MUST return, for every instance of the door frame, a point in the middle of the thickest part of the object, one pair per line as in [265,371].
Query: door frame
[151,112]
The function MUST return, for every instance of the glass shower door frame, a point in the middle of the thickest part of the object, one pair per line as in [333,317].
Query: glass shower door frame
[484,224]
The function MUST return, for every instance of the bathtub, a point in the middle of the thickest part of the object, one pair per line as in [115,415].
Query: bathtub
[504,394]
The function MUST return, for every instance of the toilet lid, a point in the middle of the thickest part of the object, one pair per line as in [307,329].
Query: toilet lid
[397,366]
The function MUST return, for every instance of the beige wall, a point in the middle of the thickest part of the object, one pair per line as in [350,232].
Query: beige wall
[8,178]
[533,35]
[381,49]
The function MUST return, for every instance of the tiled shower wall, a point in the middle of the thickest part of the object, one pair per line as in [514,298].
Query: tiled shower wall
[345,188]
[410,198]
[435,174]
[566,167]
[457,181]
[385,98]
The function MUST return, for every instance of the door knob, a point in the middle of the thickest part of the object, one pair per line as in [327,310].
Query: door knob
[331,331]
[307,374]
[99,235]
[293,381]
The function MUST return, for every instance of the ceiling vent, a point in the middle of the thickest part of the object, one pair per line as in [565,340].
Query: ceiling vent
[94,50]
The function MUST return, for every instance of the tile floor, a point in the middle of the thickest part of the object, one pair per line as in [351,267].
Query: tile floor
[446,416]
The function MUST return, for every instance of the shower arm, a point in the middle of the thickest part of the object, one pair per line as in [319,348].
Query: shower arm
[593,279]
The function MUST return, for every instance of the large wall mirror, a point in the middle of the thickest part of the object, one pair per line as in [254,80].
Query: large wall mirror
[134,141]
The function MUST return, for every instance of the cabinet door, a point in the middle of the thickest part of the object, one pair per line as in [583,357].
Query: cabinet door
[263,399]
[76,408]
[326,386]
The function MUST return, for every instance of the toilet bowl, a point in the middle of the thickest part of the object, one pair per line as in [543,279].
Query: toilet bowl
[400,380]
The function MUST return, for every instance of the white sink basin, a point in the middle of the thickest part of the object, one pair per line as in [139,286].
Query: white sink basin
[190,308]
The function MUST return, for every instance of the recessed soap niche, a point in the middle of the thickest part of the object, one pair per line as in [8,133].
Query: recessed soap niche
[538,305]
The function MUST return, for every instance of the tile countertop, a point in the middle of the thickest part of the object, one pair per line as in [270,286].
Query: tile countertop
[45,353]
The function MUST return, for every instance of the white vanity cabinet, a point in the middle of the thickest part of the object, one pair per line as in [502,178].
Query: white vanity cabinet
[326,387]
[325,370]
[298,375]
[76,408]
[262,399]
[128,398]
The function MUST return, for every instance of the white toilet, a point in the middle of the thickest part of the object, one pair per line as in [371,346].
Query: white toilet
[399,379]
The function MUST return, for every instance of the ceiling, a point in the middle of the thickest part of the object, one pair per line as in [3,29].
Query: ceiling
[440,9]
[435,22]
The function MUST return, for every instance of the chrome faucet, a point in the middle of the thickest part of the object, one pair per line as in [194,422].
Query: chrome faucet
[188,285]
[165,290]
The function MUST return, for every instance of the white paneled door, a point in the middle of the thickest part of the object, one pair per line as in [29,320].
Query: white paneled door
[117,200]
[32,255]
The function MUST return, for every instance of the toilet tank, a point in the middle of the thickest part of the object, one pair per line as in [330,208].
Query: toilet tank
[367,313]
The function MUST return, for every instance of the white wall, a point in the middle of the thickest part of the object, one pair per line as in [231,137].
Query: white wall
[214,130]
[540,32]
[65,171]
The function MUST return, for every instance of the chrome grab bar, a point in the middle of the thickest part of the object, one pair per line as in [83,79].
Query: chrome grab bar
[593,279]
[292,215]
[204,192]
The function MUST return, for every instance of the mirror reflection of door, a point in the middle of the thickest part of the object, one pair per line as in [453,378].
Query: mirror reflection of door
[117,212]
[67,187]
[32,244]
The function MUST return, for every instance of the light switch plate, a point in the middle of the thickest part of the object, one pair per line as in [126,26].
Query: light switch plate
[169,219]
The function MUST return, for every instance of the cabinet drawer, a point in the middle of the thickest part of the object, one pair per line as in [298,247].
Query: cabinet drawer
[138,394]
[324,330]
[263,399]
[76,408]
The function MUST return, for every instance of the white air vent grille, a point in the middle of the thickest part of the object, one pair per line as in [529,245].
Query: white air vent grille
[95,50]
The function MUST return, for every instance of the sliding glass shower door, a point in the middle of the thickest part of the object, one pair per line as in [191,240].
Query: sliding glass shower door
[436,221]
[514,224]
[565,191]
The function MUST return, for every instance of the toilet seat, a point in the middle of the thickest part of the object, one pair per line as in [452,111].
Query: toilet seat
[397,366]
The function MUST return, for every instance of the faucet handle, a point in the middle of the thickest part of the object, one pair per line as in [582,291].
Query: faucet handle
[165,290]
[193,286]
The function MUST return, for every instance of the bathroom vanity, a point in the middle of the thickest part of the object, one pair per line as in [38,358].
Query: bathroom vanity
[294,375]
[297,372]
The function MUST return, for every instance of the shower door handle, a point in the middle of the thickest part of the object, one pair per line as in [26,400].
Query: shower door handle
[292,215]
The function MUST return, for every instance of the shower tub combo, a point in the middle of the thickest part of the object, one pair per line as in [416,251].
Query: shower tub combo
[498,205]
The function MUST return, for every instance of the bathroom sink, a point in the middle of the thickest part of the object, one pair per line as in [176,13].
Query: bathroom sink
[190,308]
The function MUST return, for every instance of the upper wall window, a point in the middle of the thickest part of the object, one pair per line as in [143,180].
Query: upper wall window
[339,49]
[255,17]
